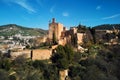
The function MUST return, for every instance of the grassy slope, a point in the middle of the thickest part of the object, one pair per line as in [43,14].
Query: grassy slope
[12,29]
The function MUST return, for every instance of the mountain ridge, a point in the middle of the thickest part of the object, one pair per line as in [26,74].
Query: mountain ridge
[12,29]
[107,27]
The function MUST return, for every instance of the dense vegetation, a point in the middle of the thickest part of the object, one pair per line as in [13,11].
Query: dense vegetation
[12,29]
[98,63]
[101,64]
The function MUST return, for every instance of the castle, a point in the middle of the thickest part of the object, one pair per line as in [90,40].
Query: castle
[62,35]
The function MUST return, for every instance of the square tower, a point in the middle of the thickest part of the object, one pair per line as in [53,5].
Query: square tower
[56,29]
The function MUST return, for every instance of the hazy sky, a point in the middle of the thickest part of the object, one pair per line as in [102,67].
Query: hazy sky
[38,13]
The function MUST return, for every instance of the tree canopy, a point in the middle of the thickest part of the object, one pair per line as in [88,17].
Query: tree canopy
[62,56]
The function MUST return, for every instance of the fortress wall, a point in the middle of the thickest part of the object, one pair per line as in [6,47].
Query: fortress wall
[41,54]
[38,54]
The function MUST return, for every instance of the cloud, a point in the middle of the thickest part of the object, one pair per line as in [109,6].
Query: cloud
[113,16]
[66,14]
[23,3]
[98,7]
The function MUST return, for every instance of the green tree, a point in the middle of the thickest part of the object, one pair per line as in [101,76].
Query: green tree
[50,71]
[69,53]
[62,56]
[5,63]
[3,75]
[92,30]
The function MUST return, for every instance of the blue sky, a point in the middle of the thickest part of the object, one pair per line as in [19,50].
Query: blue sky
[38,13]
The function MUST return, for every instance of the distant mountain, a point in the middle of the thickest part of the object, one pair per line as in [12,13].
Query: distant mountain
[12,29]
[107,27]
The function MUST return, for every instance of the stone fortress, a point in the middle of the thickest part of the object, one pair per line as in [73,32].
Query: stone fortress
[62,35]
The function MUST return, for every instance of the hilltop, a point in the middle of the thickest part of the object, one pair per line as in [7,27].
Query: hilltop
[107,27]
[13,29]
